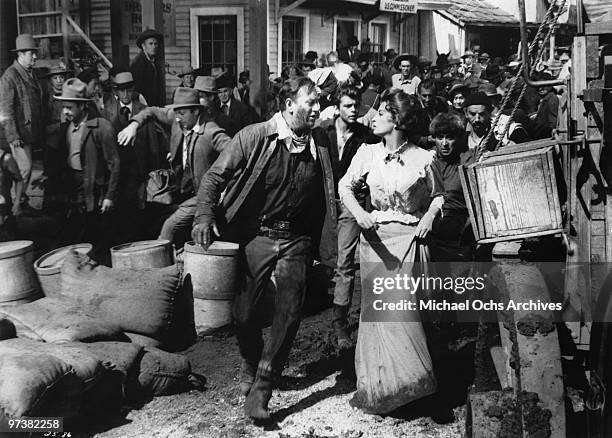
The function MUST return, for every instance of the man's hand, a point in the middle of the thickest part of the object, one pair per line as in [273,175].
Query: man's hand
[425,225]
[107,205]
[201,233]
[16,144]
[126,136]
[365,220]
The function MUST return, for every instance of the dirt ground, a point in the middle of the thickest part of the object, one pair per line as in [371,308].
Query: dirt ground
[312,401]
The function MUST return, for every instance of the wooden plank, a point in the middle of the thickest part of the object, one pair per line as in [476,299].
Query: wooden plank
[258,13]
[579,81]
[598,229]
[600,28]
[121,52]
[592,57]
[519,236]
[469,198]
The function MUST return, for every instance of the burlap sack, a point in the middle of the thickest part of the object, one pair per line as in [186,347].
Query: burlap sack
[59,319]
[163,373]
[148,302]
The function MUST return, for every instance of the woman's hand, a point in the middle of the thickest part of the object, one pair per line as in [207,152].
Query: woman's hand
[424,226]
[365,220]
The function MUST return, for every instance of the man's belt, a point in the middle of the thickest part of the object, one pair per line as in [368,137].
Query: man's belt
[278,230]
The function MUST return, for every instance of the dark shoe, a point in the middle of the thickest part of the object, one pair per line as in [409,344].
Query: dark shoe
[256,403]
[340,324]
[247,376]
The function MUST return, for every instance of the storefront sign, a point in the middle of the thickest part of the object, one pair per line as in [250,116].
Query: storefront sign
[169,23]
[399,6]
[131,20]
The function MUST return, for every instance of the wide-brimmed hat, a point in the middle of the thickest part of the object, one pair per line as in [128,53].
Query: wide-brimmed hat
[414,61]
[459,87]
[74,90]
[149,33]
[185,98]
[123,80]
[467,54]
[454,61]
[390,53]
[226,81]
[206,84]
[24,42]
[186,70]
[484,55]
[59,69]
[88,74]
[478,98]
[216,72]
[489,90]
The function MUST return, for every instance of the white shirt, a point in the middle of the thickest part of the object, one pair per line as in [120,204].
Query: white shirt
[129,106]
[189,139]
[409,86]
[342,71]
[341,141]
[285,134]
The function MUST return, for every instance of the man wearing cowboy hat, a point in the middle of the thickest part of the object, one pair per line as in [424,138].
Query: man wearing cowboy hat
[21,107]
[149,75]
[121,105]
[89,168]
[208,91]
[187,77]
[406,79]
[467,62]
[195,143]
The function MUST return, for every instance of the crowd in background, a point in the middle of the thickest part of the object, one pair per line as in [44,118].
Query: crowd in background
[382,140]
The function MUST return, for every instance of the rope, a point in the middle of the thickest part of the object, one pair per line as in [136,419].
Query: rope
[550,22]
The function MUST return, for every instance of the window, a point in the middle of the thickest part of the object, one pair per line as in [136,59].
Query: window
[292,48]
[218,43]
[378,41]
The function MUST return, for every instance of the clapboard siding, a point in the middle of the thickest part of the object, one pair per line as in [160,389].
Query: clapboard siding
[99,26]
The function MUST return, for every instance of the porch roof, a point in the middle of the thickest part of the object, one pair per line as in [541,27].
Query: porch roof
[424,5]
[480,13]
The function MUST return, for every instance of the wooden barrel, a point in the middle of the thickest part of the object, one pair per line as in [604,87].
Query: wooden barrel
[49,267]
[213,276]
[143,254]
[18,281]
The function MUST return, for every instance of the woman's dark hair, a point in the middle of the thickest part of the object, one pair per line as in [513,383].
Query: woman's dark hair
[291,88]
[348,90]
[449,124]
[404,108]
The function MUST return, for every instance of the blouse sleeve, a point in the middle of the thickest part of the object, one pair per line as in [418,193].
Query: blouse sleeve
[435,184]
[359,167]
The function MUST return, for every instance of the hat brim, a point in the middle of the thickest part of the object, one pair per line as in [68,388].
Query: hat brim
[65,72]
[123,86]
[72,99]
[176,106]
[207,91]
[24,49]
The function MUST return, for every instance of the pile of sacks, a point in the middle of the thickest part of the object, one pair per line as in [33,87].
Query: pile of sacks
[105,339]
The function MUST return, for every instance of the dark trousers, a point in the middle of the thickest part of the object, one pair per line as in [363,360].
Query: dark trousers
[93,227]
[288,259]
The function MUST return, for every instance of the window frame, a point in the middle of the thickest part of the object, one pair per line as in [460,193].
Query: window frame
[207,11]
[387,37]
[335,34]
[305,16]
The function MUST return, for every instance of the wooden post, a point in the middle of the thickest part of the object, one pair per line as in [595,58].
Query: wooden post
[66,30]
[121,52]
[258,11]
[8,32]
[153,18]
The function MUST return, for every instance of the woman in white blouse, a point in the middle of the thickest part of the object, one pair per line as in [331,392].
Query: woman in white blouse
[392,362]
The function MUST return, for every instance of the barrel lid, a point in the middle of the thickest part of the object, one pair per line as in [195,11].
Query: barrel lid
[139,246]
[52,261]
[216,248]
[15,247]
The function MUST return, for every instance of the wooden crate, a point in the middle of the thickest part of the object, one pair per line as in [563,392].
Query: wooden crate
[512,194]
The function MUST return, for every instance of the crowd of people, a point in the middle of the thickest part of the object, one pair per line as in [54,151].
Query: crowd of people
[350,154]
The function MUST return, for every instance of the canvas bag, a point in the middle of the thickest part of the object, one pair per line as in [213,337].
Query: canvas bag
[161,186]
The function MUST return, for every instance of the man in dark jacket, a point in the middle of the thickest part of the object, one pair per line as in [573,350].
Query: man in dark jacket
[149,75]
[90,167]
[239,114]
[340,238]
[21,107]
[279,171]
[350,53]
[195,143]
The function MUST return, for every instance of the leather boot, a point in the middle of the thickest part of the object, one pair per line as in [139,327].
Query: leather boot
[340,324]
[248,371]
[256,403]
